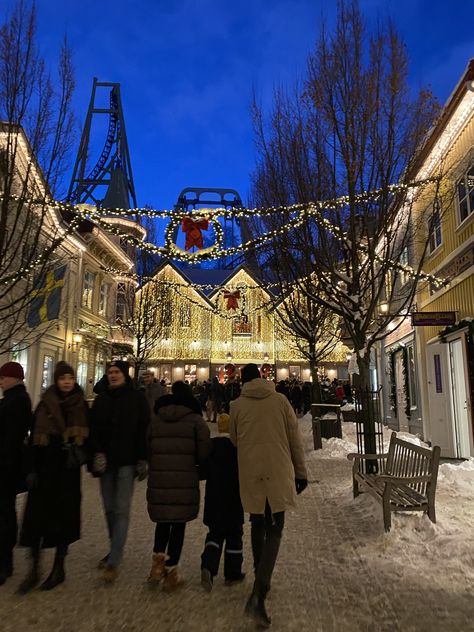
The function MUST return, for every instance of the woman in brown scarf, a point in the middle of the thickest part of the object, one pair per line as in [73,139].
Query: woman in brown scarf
[56,452]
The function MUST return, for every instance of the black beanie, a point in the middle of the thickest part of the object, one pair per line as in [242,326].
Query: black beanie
[249,372]
[62,368]
[122,365]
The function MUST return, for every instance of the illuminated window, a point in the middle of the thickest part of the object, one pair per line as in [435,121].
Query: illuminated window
[88,289]
[404,275]
[47,374]
[185,315]
[465,194]
[103,299]
[81,376]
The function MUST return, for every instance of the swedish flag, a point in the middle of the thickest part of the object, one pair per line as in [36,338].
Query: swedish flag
[46,297]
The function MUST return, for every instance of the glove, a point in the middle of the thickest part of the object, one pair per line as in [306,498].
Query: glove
[31,481]
[100,463]
[142,470]
[301,484]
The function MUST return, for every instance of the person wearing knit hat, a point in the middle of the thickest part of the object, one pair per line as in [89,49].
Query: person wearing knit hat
[119,421]
[223,513]
[57,449]
[15,423]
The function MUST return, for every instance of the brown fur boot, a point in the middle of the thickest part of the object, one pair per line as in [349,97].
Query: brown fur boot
[172,581]
[157,571]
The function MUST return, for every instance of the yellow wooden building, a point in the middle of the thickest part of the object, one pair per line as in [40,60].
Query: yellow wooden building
[222,317]
[445,355]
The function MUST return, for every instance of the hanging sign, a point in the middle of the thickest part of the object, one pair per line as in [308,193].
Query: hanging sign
[430,319]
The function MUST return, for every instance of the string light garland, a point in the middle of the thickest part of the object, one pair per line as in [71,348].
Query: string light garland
[213,252]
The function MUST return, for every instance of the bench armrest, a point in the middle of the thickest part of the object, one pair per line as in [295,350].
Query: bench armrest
[355,456]
[388,478]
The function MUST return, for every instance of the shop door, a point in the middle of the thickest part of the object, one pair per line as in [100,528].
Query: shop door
[401,398]
[459,399]
[438,399]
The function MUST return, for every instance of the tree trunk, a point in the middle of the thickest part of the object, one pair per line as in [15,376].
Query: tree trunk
[368,409]
[315,386]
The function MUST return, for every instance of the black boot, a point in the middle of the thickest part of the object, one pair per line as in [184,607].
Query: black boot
[255,608]
[57,575]
[32,578]
[6,566]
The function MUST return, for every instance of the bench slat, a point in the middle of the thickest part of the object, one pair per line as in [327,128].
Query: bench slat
[408,481]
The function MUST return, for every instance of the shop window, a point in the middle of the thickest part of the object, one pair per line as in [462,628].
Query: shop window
[465,194]
[47,374]
[88,289]
[99,366]
[190,371]
[82,368]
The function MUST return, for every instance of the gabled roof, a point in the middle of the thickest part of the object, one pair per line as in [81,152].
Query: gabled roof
[465,83]
[234,273]
[169,264]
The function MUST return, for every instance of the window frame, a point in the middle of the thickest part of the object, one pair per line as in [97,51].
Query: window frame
[88,286]
[468,196]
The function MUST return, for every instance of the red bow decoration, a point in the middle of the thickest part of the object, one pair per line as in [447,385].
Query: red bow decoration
[192,229]
[232,299]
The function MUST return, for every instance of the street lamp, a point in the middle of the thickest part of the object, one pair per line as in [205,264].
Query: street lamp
[229,357]
[383,308]
[265,357]
[76,341]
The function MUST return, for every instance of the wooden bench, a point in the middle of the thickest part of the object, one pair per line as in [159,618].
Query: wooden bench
[407,478]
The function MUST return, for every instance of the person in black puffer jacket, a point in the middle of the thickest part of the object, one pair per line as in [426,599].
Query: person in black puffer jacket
[223,512]
[15,422]
[178,441]
[119,419]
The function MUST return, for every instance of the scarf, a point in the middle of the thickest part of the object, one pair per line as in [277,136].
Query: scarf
[61,415]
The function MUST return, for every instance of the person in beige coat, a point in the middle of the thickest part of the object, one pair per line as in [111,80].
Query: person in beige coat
[264,428]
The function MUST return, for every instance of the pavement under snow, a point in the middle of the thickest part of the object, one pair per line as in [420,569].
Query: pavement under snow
[337,570]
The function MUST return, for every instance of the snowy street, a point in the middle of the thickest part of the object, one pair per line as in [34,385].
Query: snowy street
[337,570]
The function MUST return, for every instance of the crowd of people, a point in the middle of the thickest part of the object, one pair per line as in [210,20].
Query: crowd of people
[255,465]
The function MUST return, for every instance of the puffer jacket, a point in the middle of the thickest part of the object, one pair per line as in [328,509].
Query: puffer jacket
[178,441]
[265,430]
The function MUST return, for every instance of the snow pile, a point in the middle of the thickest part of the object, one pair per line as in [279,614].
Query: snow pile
[415,548]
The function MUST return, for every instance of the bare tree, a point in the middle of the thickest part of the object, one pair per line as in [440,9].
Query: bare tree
[146,304]
[311,328]
[36,133]
[358,129]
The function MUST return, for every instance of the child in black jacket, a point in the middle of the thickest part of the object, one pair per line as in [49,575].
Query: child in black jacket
[223,513]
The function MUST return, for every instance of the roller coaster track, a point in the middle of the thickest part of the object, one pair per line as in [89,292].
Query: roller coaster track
[109,140]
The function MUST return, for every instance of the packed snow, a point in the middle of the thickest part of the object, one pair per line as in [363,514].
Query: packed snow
[448,544]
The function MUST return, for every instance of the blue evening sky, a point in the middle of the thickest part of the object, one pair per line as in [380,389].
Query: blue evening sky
[187,70]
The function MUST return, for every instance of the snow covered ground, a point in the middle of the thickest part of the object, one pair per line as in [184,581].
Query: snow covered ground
[448,544]
[338,571]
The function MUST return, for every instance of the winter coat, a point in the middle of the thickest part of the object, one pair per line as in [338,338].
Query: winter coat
[153,392]
[178,441]
[53,507]
[118,425]
[231,392]
[265,430]
[15,421]
[222,506]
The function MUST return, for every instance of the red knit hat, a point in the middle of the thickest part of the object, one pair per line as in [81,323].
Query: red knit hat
[12,369]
